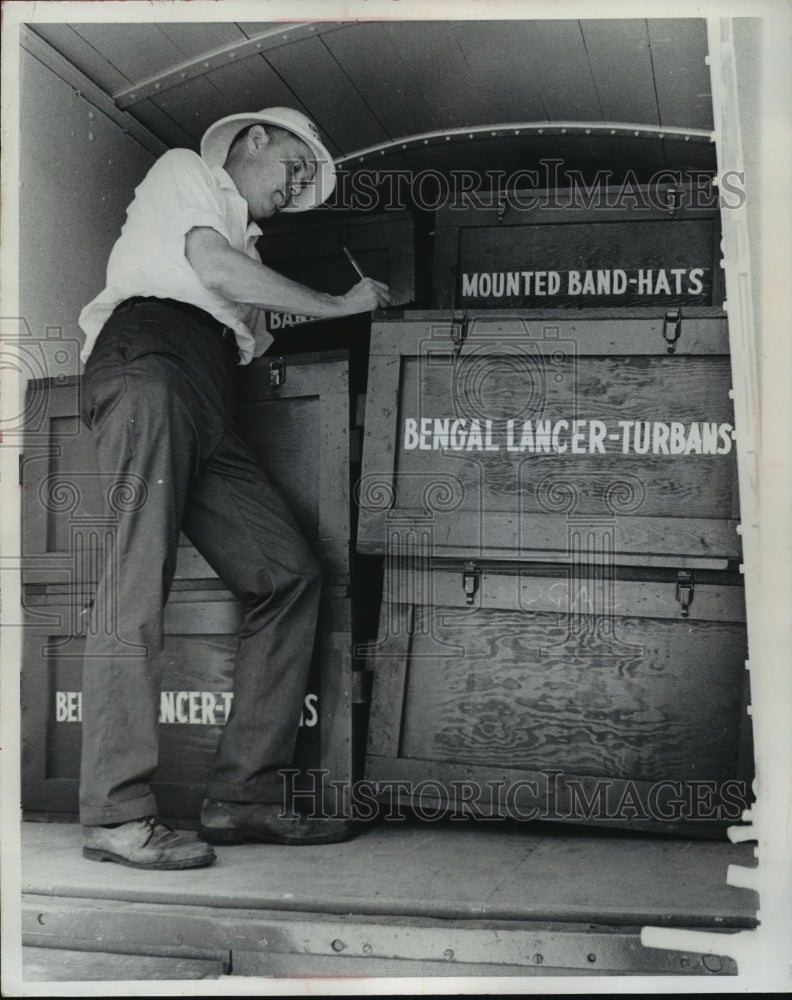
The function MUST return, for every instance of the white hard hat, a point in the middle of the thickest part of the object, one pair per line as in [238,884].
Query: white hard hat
[217,140]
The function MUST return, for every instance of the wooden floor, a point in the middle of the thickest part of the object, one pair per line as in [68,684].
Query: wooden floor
[404,898]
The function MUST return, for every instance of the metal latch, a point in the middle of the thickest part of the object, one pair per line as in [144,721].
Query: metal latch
[684,590]
[471,575]
[673,199]
[277,372]
[672,327]
[459,331]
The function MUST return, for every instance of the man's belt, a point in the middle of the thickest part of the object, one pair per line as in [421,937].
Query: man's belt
[186,308]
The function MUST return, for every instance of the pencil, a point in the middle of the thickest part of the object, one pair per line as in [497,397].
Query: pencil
[353,262]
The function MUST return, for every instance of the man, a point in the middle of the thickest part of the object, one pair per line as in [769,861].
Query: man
[162,341]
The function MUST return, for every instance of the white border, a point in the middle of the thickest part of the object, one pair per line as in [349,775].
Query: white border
[772,635]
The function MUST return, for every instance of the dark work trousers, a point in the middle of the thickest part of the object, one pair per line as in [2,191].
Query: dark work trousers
[157,392]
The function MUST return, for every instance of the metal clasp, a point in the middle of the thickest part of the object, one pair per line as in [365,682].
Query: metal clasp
[277,372]
[672,327]
[673,199]
[459,331]
[471,575]
[684,590]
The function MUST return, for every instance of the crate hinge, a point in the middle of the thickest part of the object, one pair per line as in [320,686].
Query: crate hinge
[471,577]
[684,590]
[277,372]
[672,327]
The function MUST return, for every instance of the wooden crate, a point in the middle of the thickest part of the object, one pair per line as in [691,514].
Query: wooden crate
[561,555]
[197,679]
[607,247]
[299,430]
[65,516]
[491,435]
[294,412]
[562,693]
[295,415]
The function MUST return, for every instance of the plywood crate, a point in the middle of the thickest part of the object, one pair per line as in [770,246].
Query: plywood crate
[487,433]
[556,503]
[629,247]
[299,430]
[294,412]
[552,693]
[197,678]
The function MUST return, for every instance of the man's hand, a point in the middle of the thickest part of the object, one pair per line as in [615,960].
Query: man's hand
[366,295]
[237,277]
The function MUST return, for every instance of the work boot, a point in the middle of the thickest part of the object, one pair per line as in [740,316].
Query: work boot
[145,843]
[241,822]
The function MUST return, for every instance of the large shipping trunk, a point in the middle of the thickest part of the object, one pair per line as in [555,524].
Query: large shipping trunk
[564,623]
[295,415]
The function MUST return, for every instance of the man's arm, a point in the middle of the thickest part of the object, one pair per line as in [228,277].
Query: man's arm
[236,276]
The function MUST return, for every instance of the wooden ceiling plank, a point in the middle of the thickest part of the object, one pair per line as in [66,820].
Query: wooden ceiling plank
[679,48]
[163,126]
[65,40]
[272,90]
[621,65]
[495,54]
[253,84]
[340,113]
[376,69]
[187,68]
[240,84]
[557,55]
[195,39]
[136,50]
[437,66]
[195,105]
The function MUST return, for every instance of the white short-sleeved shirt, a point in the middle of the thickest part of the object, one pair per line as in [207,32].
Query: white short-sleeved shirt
[179,193]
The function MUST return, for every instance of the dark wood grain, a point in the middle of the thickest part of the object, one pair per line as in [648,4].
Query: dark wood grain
[527,386]
[582,228]
[631,246]
[197,103]
[556,53]
[656,700]
[290,445]
[625,42]
[387,657]
[340,112]
[363,52]
[679,73]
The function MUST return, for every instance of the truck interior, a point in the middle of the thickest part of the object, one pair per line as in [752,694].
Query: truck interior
[561,102]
